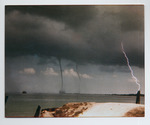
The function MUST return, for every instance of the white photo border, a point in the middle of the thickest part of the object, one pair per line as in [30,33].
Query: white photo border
[73,121]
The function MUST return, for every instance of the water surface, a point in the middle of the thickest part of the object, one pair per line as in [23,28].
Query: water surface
[25,105]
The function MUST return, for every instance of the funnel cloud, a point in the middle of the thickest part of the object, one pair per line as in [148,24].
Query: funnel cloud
[85,38]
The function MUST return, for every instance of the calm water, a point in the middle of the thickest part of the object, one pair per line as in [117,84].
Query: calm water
[26,105]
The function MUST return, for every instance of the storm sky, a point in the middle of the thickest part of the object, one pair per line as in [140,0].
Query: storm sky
[87,40]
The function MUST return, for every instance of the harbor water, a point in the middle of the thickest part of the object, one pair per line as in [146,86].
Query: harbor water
[25,105]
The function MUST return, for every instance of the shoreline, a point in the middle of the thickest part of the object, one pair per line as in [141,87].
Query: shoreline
[6,94]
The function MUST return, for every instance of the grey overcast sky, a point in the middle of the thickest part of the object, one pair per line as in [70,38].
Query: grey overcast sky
[87,39]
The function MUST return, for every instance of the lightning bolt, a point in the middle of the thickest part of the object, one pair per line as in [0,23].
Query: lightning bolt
[136,80]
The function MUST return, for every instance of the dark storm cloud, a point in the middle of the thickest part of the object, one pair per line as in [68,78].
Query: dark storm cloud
[73,15]
[83,34]
[133,19]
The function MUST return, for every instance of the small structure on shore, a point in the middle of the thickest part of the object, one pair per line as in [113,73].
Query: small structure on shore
[24,92]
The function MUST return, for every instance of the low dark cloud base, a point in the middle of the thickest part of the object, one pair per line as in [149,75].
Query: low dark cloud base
[83,34]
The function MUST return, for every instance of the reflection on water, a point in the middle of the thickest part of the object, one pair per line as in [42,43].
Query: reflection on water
[26,104]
